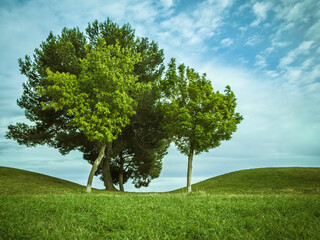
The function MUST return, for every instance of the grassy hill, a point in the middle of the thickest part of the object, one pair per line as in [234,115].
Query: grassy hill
[163,216]
[292,180]
[16,181]
[252,181]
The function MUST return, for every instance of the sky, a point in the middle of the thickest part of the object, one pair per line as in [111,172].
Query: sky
[268,52]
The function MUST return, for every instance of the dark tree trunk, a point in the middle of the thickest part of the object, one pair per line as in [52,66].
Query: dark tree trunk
[95,166]
[121,173]
[108,183]
[190,158]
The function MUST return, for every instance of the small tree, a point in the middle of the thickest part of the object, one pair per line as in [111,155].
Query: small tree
[98,100]
[201,117]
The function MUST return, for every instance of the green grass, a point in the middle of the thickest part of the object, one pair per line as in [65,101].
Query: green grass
[231,206]
[290,180]
[155,216]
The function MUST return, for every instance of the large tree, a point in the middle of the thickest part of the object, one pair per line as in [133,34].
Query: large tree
[98,101]
[62,53]
[140,167]
[202,117]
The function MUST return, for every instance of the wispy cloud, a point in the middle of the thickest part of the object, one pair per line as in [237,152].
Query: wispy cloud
[226,42]
[260,9]
[261,61]
[303,48]
[253,40]
[192,28]
[167,3]
[314,31]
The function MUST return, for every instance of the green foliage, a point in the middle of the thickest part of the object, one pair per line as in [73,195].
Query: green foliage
[98,99]
[202,117]
[166,216]
[143,143]
[65,53]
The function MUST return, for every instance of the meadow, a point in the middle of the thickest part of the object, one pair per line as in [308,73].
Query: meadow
[199,215]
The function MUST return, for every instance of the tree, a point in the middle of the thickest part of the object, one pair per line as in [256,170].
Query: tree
[203,117]
[147,121]
[62,53]
[98,100]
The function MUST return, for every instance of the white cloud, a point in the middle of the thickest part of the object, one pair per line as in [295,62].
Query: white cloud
[260,9]
[285,61]
[226,42]
[306,64]
[303,48]
[276,45]
[141,11]
[299,78]
[260,61]
[253,40]
[245,6]
[272,74]
[294,12]
[300,68]
[314,31]
[167,3]
[301,11]
[190,29]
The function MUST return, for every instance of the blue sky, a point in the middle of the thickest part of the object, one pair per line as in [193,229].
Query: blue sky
[268,51]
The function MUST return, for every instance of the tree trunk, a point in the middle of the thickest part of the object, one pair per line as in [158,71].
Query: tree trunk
[94,167]
[108,183]
[121,174]
[121,181]
[190,158]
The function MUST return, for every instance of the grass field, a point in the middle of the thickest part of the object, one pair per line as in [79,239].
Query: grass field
[199,215]
[166,216]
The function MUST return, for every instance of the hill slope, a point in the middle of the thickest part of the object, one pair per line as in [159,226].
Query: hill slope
[292,180]
[252,181]
[16,181]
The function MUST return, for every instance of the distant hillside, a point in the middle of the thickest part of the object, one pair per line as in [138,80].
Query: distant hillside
[252,181]
[291,180]
[16,181]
